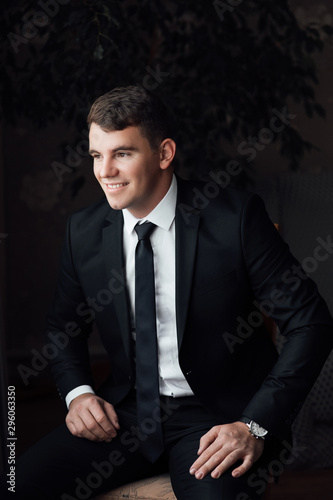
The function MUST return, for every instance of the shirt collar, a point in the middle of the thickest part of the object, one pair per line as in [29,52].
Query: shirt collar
[162,215]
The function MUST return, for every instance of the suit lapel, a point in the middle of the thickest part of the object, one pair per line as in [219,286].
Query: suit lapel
[187,225]
[112,249]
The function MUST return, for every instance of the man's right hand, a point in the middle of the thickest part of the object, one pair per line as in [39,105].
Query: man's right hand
[92,418]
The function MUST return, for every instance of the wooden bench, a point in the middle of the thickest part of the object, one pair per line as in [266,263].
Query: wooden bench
[153,488]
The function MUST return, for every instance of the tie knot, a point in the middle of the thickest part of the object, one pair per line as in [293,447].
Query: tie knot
[144,230]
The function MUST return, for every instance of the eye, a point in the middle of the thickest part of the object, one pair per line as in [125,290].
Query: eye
[96,157]
[122,155]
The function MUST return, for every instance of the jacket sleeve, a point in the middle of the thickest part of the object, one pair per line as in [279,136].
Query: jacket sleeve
[65,330]
[281,285]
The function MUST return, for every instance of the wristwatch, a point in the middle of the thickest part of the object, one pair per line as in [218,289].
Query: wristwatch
[255,429]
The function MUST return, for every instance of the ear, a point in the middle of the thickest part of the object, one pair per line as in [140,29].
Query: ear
[167,153]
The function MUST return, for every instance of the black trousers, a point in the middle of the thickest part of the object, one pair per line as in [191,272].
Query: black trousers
[64,467]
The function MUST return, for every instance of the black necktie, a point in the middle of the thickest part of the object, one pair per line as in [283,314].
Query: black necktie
[147,380]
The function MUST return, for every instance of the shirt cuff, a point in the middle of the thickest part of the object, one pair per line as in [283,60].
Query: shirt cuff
[81,389]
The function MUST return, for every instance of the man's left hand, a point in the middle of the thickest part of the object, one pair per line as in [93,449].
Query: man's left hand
[223,446]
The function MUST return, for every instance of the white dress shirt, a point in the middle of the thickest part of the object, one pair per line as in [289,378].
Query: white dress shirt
[172,380]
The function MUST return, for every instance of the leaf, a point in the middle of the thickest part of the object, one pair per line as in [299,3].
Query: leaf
[98,53]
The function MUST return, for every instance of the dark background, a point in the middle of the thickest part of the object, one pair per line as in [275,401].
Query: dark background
[222,75]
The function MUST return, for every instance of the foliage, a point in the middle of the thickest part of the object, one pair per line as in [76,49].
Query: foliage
[221,66]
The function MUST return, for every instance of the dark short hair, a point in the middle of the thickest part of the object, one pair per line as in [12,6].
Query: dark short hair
[123,107]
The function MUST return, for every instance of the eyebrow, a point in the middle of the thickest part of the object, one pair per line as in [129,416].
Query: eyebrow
[115,150]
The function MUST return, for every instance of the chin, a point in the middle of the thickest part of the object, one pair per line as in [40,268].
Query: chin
[117,204]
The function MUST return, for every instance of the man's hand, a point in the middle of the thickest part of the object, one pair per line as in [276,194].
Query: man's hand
[223,446]
[92,418]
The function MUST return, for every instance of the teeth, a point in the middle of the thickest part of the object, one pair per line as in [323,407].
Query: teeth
[114,186]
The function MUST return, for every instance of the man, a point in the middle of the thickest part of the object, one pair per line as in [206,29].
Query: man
[204,394]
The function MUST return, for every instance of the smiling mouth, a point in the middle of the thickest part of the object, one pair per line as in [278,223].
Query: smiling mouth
[115,186]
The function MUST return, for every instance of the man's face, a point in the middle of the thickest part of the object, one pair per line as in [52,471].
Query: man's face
[131,174]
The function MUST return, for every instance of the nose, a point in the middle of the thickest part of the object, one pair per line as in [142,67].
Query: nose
[108,168]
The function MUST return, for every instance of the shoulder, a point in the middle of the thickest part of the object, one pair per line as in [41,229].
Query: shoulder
[91,213]
[92,218]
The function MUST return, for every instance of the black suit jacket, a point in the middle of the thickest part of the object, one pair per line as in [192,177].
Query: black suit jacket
[230,261]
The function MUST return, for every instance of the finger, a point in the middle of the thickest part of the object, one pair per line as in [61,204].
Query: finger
[87,418]
[91,422]
[206,440]
[89,425]
[112,415]
[211,465]
[239,471]
[228,462]
[219,463]
[200,465]
[77,426]
[98,422]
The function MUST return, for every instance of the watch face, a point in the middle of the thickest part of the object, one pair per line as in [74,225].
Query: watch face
[257,430]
